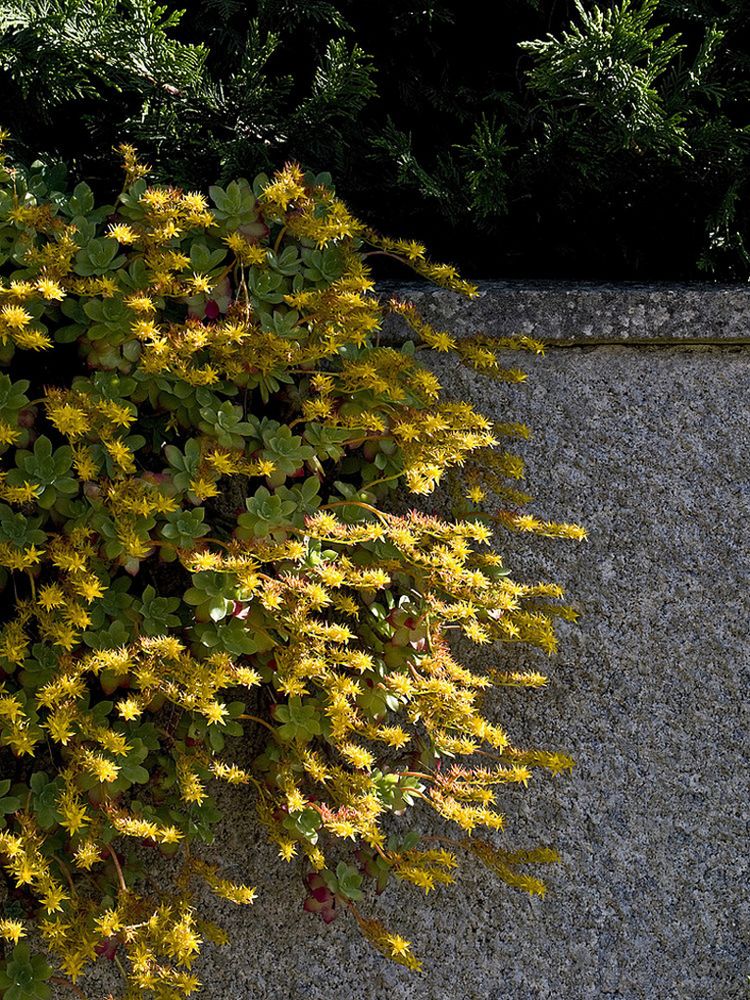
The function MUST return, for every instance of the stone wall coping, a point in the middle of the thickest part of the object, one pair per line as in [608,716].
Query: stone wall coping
[588,312]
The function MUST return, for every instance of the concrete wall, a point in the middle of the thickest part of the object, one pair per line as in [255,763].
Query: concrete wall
[641,411]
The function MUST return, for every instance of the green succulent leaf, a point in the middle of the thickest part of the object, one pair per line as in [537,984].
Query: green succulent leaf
[300,721]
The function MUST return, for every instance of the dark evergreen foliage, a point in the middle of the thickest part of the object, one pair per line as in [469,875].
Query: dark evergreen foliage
[579,140]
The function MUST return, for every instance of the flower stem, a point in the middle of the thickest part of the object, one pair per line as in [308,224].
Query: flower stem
[118,869]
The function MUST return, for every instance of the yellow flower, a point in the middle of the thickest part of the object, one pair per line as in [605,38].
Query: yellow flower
[50,290]
[194,201]
[53,898]
[87,854]
[32,340]
[476,494]
[130,708]
[69,420]
[140,304]
[89,587]
[191,788]
[247,677]
[200,284]
[12,930]
[15,317]
[109,923]
[398,945]
[357,756]
[169,835]
[215,712]
[8,433]
[122,233]
[120,454]
[286,187]
[84,463]
[287,850]
[24,493]
[73,963]
[102,769]
[73,812]
[204,488]
[205,560]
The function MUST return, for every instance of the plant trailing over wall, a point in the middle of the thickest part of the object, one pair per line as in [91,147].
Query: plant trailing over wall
[200,427]
[585,139]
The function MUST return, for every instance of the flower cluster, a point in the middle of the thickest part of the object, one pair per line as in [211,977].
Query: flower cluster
[199,431]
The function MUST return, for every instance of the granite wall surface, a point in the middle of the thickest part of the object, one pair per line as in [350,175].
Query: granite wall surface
[641,412]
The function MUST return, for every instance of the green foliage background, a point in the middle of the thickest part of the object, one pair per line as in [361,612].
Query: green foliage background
[574,141]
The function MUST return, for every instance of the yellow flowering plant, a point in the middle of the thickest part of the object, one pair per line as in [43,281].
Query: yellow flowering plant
[200,426]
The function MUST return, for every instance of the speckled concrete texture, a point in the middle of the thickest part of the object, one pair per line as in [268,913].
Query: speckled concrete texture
[649,448]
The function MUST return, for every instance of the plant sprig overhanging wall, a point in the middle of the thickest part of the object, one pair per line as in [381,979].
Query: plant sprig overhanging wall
[199,429]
